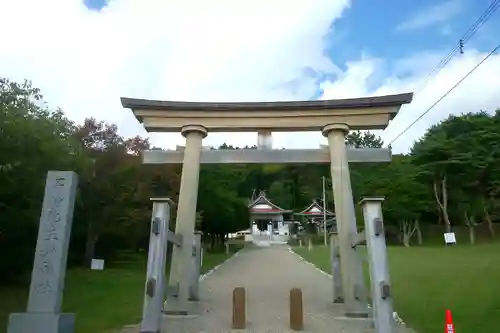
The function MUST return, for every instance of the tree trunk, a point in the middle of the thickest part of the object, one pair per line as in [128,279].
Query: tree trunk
[419,232]
[407,230]
[90,246]
[488,220]
[443,202]
[212,241]
[440,215]
[406,240]
[472,236]
[446,217]
[470,224]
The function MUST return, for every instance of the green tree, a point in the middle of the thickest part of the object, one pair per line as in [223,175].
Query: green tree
[33,140]
[360,139]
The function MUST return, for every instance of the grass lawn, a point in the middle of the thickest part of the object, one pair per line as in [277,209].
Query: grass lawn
[103,301]
[428,280]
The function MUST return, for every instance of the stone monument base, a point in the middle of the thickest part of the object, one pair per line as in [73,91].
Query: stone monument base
[41,323]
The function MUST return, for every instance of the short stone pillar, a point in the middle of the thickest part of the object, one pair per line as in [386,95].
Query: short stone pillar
[296,309]
[337,291]
[49,268]
[155,277]
[379,268]
[194,288]
[239,309]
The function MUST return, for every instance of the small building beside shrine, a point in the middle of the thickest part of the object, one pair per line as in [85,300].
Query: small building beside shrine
[269,222]
[313,217]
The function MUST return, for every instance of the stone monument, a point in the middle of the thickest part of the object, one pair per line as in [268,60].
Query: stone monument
[49,268]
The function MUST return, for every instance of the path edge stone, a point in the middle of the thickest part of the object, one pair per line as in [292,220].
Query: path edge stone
[212,270]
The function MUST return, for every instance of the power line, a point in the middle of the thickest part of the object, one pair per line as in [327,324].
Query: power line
[482,19]
[459,47]
[446,94]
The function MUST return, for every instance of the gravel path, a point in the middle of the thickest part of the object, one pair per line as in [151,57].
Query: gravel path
[268,274]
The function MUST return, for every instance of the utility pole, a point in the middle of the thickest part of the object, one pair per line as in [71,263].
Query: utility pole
[325,235]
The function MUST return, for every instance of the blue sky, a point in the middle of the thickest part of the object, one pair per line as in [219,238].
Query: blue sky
[395,29]
[95,4]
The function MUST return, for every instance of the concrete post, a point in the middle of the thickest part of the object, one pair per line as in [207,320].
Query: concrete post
[49,267]
[351,264]
[186,212]
[337,292]
[155,275]
[194,290]
[379,270]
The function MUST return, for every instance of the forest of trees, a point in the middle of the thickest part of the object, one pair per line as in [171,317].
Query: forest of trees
[450,178]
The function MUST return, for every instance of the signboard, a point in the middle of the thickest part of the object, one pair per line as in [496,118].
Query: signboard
[97,264]
[449,238]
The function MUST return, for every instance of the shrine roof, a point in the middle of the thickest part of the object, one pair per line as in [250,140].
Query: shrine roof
[315,209]
[363,102]
[262,205]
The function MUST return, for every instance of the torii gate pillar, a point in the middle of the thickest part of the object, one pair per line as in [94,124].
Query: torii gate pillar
[350,263]
[186,211]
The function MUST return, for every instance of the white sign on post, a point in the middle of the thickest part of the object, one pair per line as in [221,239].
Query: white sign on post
[97,264]
[449,238]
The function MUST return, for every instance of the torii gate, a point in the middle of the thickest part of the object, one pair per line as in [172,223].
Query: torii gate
[334,118]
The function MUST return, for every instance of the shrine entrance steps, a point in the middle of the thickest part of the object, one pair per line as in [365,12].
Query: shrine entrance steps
[265,239]
[267,274]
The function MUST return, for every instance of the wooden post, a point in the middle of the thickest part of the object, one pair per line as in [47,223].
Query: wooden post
[239,311]
[309,244]
[296,310]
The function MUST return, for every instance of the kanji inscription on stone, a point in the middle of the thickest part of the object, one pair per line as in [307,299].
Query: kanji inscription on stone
[49,268]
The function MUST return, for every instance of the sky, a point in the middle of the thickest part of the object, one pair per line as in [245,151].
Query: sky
[86,54]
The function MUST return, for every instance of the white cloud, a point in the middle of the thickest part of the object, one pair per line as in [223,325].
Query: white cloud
[432,15]
[218,50]
[478,92]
